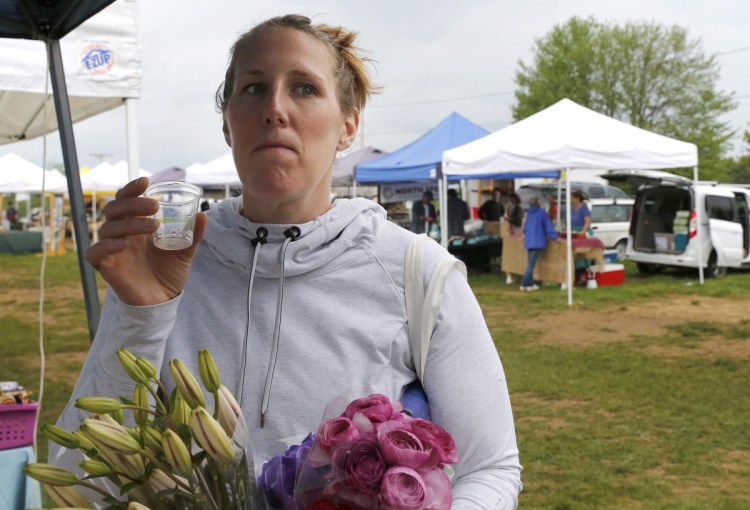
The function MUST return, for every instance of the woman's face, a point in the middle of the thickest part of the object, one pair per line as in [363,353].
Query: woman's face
[284,125]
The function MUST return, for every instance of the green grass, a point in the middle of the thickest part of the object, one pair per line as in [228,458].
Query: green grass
[617,425]
[644,422]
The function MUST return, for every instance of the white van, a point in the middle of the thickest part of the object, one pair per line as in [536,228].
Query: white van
[664,226]
[610,222]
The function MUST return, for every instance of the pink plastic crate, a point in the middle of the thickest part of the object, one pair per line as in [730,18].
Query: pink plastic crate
[17,424]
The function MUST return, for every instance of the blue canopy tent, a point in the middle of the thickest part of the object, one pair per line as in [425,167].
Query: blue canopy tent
[420,160]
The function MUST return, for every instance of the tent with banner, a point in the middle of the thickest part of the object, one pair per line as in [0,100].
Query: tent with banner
[567,136]
[102,57]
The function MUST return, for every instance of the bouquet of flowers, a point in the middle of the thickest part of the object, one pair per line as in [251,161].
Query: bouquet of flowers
[372,456]
[176,456]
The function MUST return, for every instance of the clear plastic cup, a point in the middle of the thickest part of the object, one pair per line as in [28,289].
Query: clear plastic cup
[178,205]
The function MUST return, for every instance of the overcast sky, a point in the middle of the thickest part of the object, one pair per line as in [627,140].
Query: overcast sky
[433,57]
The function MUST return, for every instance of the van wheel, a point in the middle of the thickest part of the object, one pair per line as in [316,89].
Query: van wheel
[713,270]
[648,269]
[621,247]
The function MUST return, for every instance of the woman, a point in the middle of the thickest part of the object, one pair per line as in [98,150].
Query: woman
[537,228]
[514,213]
[580,216]
[280,269]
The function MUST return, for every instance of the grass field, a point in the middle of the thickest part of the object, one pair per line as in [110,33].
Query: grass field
[637,396]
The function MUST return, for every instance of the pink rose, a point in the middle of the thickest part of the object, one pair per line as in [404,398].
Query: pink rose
[439,496]
[402,488]
[336,430]
[401,447]
[437,438]
[375,408]
[358,467]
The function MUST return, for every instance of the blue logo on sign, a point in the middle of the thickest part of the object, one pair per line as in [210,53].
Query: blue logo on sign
[97,58]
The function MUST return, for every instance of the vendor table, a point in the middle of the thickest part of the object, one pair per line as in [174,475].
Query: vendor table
[550,266]
[17,491]
[478,254]
[14,241]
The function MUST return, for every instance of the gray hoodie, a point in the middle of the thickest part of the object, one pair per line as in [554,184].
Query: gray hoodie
[299,324]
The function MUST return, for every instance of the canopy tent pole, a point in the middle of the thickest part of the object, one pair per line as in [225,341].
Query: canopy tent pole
[698,230]
[131,119]
[443,192]
[70,158]
[568,238]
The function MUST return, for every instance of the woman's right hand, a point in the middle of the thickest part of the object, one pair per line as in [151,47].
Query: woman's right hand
[140,273]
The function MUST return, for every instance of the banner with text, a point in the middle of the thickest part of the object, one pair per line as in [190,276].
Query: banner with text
[402,192]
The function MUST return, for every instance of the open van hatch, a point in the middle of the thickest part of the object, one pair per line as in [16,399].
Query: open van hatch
[660,219]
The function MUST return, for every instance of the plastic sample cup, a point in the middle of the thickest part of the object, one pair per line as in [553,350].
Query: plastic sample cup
[178,205]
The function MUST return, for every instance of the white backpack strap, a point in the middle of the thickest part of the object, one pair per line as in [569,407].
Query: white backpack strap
[423,309]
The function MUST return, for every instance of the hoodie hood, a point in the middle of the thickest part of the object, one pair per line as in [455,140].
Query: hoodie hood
[326,240]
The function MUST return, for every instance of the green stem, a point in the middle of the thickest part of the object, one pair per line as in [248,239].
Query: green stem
[205,488]
[154,394]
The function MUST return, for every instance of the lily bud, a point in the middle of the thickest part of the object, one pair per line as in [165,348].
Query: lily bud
[151,438]
[180,411]
[128,362]
[186,384]
[146,367]
[208,371]
[134,505]
[67,497]
[140,398]
[211,436]
[60,436]
[112,436]
[84,442]
[98,404]
[95,467]
[229,410]
[175,451]
[118,416]
[51,475]
[160,481]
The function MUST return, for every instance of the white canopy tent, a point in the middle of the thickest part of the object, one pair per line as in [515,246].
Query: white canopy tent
[217,173]
[18,175]
[102,59]
[102,56]
[568,136]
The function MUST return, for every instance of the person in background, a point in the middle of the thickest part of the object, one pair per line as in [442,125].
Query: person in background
[299,300]
[537,228]
[514,213]
[552,209]
[423,214]
[580,216]
[458,212]
[12,216]
[205,206]
[492,209]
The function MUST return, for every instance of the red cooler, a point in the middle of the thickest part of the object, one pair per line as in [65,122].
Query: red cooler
[612,274]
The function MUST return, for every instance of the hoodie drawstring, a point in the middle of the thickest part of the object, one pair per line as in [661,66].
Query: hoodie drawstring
[291,234]
[260,240]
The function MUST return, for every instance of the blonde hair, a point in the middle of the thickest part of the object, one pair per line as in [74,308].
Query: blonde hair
[354,84]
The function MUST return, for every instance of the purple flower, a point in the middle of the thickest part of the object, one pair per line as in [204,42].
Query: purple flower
[279,474]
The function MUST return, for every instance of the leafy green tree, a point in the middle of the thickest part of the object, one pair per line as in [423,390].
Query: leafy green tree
[643,73]
[739,169]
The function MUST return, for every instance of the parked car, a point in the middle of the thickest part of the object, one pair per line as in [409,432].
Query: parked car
[589,189]
[610,222]
[664,229]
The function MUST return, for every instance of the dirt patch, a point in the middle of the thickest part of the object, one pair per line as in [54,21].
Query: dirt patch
[620,323]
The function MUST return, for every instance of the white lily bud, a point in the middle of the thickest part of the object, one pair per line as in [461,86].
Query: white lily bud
[208,371]
[68,497]
[112,436]
[186,384]
[229,410]
[211,436]
[175,451]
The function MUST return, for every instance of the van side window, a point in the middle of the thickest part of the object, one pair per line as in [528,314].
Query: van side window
[720,208]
